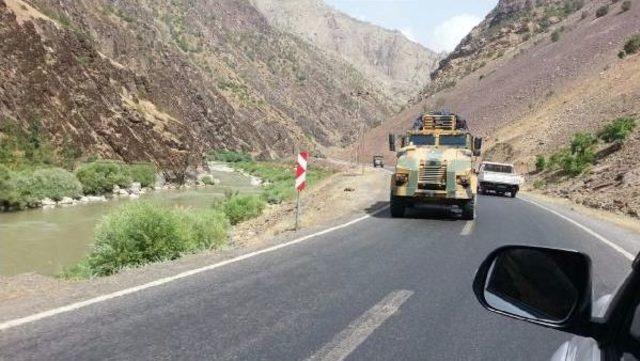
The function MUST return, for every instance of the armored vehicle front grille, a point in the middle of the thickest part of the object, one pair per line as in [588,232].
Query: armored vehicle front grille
[433,174]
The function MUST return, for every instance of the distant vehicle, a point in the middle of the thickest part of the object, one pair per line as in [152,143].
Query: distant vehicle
[499,178]
[435,165]
[378,161]
[553,288]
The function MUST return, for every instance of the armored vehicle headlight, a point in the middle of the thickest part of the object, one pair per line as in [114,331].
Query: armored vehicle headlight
[401,179]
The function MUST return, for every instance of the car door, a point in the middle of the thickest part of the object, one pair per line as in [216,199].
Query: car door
[633,336]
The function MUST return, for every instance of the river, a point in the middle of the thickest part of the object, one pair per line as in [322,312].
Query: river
[45,241]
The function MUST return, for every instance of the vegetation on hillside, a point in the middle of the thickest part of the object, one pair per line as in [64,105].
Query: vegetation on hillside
[581,154]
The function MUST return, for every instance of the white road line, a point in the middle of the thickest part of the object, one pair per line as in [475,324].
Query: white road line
[595,234]
[75,306]
[344,343]
[468,228]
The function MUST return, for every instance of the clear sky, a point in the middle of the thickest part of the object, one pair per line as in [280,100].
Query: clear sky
[437,24]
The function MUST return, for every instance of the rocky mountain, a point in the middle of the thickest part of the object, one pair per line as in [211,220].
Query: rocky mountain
[531,76]
[388,57]
[168,80]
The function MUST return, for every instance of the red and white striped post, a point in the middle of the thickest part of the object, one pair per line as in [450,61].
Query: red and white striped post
[301,180]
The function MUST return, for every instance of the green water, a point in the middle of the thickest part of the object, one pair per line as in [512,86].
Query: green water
[45,241]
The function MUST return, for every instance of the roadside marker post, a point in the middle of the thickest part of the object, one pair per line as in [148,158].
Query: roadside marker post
[301,181]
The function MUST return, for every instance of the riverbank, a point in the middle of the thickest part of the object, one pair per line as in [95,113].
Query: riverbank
[334,199]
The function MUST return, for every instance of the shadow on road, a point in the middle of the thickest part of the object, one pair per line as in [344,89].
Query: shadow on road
[418,212]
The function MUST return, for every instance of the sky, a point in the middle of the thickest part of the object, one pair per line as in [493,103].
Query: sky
[436,24]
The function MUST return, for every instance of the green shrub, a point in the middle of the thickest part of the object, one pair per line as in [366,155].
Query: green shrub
[243,207]
[100,176]
[204,229]
[229,156]
[27,188]
[602,11]
[143,232]
[144,173]
[541,163]
[626,6]
[622,54]
[632,45]
[580,156]
[555,36]
[619,129]
[208,180]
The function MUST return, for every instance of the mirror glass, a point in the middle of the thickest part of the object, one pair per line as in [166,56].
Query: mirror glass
[539,284]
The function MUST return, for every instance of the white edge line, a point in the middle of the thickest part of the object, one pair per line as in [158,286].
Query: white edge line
[468,228]
[584,228]
[348,340]
[77,305]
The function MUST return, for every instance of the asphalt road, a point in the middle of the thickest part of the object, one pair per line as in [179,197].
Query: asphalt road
[381,289]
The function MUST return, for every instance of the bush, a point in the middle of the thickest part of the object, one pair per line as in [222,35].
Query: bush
[144,173]
[204,229]
[555,36]
[619,129]
[602,11]
[626,6]
[208,180]
[622,54]
[229,156]
[143,232]
[7,187]
[100,176]
[240,208]
[541,163]
[632,45]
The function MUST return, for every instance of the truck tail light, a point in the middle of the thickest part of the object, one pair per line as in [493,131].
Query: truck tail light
[401,179]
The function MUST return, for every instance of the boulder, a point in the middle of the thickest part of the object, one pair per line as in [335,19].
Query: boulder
[135,188]
[48,202]
[66,201]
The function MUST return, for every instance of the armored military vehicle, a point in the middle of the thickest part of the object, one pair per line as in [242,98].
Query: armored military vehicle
[435,165]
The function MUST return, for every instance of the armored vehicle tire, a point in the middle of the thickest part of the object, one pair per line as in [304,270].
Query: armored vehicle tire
[513,194]
[398,207]
[469,210]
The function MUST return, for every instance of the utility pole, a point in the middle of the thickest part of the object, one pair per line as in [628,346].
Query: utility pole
[360,146]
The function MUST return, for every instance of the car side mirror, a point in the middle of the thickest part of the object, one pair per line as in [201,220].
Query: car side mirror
[544,286]
[392,142]
[477,146]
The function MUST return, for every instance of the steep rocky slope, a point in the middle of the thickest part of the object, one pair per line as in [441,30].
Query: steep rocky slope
[169,80]
[529,91]
[400,65]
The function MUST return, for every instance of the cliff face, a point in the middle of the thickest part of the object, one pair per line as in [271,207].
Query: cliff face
[169,80]
[387,57]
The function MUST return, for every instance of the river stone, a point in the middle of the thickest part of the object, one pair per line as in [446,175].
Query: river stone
[83,199]
[47,202]
[66,200]
[135,188]
[96,198]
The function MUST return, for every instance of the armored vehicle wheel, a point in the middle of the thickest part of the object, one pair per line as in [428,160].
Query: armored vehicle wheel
[469,210]
[513,194]
[397,207]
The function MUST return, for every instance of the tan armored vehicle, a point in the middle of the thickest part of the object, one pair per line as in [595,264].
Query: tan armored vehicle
[435,165]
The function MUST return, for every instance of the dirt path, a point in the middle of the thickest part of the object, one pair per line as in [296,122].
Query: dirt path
[339,197]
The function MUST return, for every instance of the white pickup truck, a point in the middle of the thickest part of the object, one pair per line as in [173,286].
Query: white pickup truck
[499,178]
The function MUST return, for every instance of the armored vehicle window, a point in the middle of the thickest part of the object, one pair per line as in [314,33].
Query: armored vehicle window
[458,141]
[423,140]
[498,168]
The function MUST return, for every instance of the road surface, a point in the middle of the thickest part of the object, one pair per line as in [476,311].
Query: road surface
[380,289]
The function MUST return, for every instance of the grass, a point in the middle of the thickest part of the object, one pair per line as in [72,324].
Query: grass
[228,156]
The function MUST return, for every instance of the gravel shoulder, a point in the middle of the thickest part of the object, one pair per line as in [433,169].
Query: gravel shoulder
[338,198]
